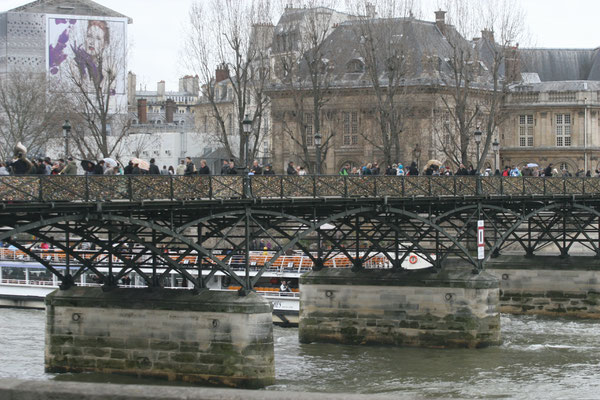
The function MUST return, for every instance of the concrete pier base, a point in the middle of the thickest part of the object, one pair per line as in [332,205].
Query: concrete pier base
[452,308]
[548,285]
[213,337]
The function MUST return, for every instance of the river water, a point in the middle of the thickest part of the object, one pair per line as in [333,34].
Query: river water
[541,358]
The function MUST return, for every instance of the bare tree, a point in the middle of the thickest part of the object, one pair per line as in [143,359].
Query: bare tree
[475,85]
[136,144]
[382,35]
[232,34]
[304,70]
[28,113]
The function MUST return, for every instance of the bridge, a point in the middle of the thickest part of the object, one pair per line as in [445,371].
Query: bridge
[151,225]
[220,217]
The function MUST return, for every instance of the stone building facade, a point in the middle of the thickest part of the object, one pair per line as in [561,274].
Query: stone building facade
[549,113]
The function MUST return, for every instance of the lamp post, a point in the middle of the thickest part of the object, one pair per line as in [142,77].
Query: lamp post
[66,130]
[496,148]
[477,135]
[417,154]
[318,138]
[247,126]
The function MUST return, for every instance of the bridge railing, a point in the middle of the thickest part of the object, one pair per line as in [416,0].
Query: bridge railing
[92,188]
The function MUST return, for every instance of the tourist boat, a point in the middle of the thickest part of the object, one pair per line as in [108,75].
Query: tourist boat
[24,282]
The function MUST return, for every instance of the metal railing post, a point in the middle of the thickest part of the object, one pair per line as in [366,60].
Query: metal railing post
[40,194]
[171,187]
[346,186]
[130,187]
[87,188]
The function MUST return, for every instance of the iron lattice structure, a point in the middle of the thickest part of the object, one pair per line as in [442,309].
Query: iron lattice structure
[152,224]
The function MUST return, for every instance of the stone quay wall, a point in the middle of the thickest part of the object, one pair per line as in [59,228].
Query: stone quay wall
[548,285]
[212,337]
[451,308]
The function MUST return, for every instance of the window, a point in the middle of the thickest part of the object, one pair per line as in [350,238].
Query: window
[526,130]
[355,65]
[350,128]
[308,128]
[563,130]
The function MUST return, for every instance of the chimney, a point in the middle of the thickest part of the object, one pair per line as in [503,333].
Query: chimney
[142,111]
[221,73]
[170,110]
[512,64]
[440,21]
[160,89]
[371,11]
[488,34]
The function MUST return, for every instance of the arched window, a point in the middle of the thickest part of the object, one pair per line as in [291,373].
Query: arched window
[355,66]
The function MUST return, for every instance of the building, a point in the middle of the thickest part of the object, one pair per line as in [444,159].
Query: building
[553,112]
[163,123]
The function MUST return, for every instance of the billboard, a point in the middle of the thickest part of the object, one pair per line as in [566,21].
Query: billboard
[92,47]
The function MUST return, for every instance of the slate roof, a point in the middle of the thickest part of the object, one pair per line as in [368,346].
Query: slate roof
[69,7]
[422,40]
[561,64]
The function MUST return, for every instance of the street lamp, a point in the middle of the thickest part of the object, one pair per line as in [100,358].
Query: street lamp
[417,154]
[66,130]
[318,138]
[477,135]
[496,148]
[247,126]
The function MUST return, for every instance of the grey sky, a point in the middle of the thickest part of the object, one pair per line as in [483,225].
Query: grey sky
[158,27]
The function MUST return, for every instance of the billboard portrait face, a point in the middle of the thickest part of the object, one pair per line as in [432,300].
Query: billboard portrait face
[91,46]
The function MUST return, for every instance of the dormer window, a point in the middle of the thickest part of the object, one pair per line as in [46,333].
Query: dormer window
[355,66]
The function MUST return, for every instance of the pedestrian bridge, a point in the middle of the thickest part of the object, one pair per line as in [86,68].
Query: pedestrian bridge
[219,218]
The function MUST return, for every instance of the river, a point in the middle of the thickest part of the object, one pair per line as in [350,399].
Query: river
[541,358]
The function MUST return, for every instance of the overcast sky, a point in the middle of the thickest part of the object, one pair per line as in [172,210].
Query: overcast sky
[158,26]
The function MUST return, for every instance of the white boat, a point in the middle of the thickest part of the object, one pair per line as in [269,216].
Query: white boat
[24,282]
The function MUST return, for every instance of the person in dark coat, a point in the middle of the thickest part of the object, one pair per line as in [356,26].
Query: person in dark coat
[204,170]
[128,169]
[290,169]
[413,170]
[232,170]
[548,170]
[256,169]
[189,167]
[268,170]
[462,170]
[99,168]
[154,170]
[225,167]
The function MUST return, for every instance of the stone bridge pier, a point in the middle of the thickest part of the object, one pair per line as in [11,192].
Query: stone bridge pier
[212,337]
[548,285]
[425,308]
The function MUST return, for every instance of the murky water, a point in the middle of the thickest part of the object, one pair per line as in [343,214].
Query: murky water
[541,358]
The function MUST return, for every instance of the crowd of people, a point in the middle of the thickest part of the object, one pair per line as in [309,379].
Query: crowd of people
[46,166]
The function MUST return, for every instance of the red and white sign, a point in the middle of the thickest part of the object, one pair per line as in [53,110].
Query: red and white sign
[480,240]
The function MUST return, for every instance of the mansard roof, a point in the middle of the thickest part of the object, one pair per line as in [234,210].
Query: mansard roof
[422,42]
[561,64]
[69,7]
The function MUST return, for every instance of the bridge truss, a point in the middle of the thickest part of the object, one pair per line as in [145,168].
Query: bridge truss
[151,225]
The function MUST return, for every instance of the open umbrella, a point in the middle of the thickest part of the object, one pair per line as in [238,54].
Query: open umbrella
[109,163]
[141,163]
[433,162]
[87,165]
[532,165]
